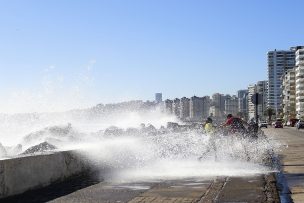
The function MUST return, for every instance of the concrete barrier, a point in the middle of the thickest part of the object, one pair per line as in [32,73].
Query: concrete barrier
[21,174]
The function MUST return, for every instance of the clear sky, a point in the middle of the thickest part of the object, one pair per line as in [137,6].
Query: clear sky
[61,52]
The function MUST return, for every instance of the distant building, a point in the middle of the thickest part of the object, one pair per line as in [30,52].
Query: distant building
[216,113]
[218,105]
[262,89]
[231,105]
[251,107]
[176,107]
[243,103]
[168,106]
[199,108]
[278,63]
[184,108]
[158,97]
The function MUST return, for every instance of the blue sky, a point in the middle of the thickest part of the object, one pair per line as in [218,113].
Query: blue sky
[107,51]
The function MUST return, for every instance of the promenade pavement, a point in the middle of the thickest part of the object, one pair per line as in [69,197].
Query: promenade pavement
[291,155]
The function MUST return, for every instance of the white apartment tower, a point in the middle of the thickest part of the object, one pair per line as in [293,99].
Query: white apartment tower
[251,107]
[299,71]
[278,63]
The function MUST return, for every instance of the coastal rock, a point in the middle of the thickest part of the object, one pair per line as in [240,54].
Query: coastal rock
[42,147]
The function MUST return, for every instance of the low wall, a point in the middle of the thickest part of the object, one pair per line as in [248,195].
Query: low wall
[21,174]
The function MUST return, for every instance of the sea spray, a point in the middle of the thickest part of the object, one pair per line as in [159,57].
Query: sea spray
[117,142]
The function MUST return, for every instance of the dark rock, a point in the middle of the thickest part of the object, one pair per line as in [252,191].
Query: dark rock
[45,146]
[113,131]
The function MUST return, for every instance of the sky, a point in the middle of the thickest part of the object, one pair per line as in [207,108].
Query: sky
[61,54]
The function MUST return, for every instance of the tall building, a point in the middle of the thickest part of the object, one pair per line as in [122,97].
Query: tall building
[299,71]
[199,108]
[184,108]
[206,106]
[278,63]
[218,105]
[158,97]
[231,105]
[243,103]
[176,107]
[251,107]
[168,106]
[289,94]
[262,89]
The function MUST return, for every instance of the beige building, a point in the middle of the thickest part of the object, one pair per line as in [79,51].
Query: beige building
[289,94]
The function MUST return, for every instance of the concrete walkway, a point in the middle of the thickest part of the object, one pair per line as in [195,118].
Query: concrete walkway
[220,189]
[292,161]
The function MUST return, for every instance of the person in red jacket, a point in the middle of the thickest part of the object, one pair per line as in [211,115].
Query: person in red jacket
[234,124]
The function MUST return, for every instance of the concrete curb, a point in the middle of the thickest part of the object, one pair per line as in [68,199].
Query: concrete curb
[21,174]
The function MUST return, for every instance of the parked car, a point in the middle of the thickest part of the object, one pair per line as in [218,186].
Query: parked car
[263,124]
[278,124]
[300,124]
[293,122]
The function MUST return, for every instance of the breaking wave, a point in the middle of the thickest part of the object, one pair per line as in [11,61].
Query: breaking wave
[135,145]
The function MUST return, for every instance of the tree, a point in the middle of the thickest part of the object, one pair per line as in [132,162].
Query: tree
[269,113]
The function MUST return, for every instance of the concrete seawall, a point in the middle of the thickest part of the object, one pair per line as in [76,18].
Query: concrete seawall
[21,174]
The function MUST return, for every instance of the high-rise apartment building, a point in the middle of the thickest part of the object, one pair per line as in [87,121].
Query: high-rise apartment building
[158,97]
[289,94]
[168,106]
[262,90]
[243,103]
[231,105]
[199,108]
[218,105]
[176,107]
[251,107]
[184,108]
[299,71]
[278,63]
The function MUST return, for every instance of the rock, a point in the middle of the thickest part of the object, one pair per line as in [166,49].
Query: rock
[44,146]
[113,131]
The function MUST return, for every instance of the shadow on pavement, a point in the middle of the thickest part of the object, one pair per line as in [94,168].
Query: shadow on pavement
[55,190]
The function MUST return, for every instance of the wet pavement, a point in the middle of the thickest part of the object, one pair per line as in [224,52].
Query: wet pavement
[291,158]
[220,189]
[212,189]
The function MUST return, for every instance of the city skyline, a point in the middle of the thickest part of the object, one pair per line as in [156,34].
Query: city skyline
[61,55]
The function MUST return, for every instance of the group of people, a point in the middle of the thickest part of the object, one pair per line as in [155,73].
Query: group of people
[232,125]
